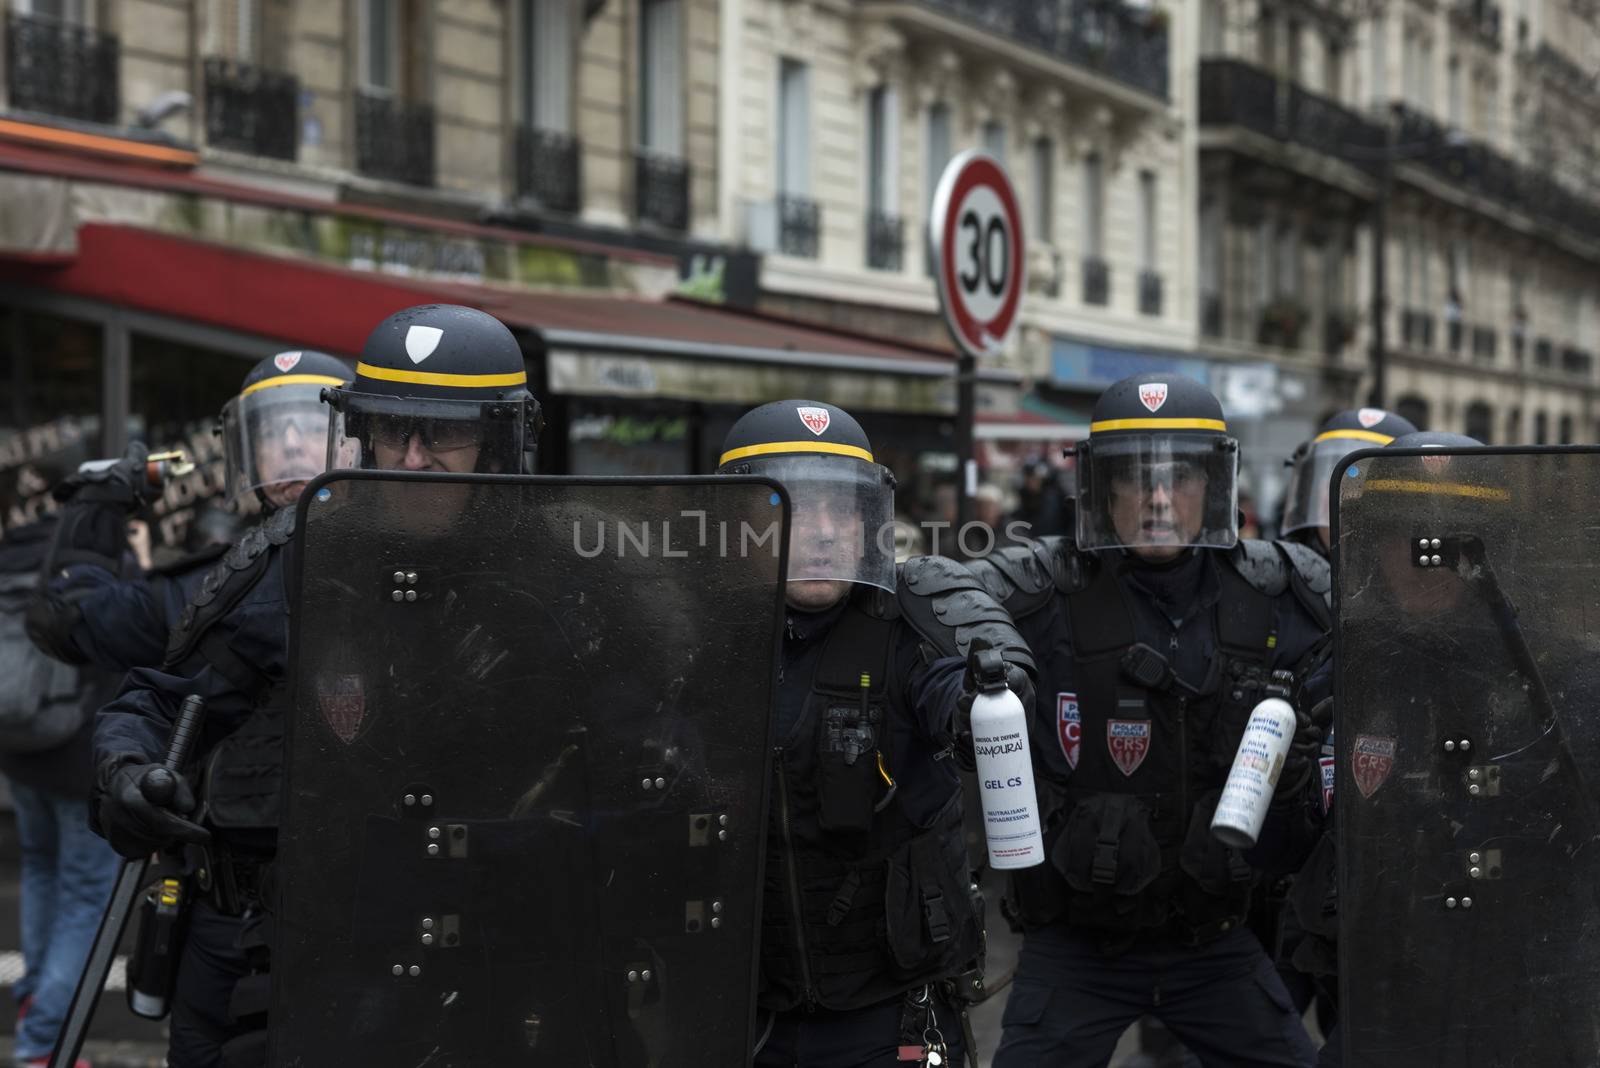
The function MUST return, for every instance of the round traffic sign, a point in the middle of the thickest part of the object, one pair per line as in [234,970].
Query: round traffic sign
[975,232]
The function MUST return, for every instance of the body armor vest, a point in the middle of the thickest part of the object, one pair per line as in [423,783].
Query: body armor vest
[860,904]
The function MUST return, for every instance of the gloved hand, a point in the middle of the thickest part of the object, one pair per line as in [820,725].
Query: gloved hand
[121,481]
[1305,748]
[141,809]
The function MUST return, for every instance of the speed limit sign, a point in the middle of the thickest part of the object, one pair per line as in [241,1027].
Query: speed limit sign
[975,232]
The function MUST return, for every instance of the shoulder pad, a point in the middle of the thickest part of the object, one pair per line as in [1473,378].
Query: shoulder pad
[1311,567]
[1023,577]
[227,583]
[189,561]
[945,603]
[1270,565]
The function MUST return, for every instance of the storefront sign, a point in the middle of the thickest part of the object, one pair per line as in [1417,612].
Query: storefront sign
[1084,365]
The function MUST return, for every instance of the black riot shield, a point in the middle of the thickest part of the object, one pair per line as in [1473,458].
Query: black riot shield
[1468,757]
[526,772]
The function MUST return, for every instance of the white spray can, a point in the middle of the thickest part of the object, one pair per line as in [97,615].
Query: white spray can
[1242,808]
[1005,768]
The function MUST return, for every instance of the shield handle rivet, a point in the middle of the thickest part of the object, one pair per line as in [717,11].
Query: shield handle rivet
[415,971]
[411,576]
[1475,873]
[1474,790]
[722,836]
[427,923]
[410,799]
[397,596]
[433,832]
[398,969]
[716,921]
[399,576]
[427,799]
[1449,747]
[427,939]
[633,976]
[645,975]
[1474,858]
[433,849]
[1466,902]
[1449,902]
[1465,745]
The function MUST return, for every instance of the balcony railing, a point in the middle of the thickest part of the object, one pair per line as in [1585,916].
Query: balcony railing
[549,169]
[886,242]
[1233,93]
[1149,293]
[60,68]
[799,226]
[251,109]
[1282,323]
[1103,36]
[1096,281]
[394,139]
[661,190]
[1211,314]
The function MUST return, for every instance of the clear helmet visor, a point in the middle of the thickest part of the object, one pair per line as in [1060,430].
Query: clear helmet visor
[413,434]
[1158,491]
[1305,503]
[842,523]
[273,441]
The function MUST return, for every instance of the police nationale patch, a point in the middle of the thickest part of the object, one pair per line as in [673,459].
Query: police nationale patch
[1153,395]
[1327,766]
[421,341]
[286,361]
[343,701]
[1069,727]
[815,419]
[1129,742]
[1371,761]
[1370,417]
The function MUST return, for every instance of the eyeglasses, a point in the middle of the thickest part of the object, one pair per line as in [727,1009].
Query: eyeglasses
[434,435]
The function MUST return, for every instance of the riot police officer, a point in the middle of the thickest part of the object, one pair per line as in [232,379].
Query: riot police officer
[1305,502]
[869,918]
[438,387]
[1157,631]
[274,441]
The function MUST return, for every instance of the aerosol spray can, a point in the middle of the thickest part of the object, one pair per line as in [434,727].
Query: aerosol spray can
[1242,808]
[1005,770]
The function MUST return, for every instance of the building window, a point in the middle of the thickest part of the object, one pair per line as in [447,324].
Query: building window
[1413,409]
[1541,428]
[1566,430]
[1211,267]
[1514,427]
[1093,207]
[661,78]
[380,46]
[937,148]
[1213,26]
[1267,38]
[1480,422]
[1148,220]
[231,29]
[1453,92]
[794,129]
[1380,60]
[881,144]
[994,139]
[1044,191]
[544,83]
[1333,72]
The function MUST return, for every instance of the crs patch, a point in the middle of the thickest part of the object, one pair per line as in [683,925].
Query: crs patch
[1326,764]
[286,361]
[1069,728]
[1129,742]
[816,420]
[1371,761]
[1153,395]
[1371,417]
[343,701]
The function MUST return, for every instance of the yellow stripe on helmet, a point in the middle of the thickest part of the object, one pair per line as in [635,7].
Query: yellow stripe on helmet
[1447,489]
[1108,425]
[431,378]
[291,380]
[795,446]
[1353,435]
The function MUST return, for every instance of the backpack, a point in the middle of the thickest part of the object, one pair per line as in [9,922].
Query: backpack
[40,698]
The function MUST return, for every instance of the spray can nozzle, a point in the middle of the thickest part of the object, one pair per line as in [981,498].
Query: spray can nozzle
[988,669]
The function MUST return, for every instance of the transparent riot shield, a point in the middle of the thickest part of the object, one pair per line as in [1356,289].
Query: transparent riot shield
[1468,757]
[526,771]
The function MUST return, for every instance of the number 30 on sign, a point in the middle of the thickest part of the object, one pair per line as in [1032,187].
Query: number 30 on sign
[975,232]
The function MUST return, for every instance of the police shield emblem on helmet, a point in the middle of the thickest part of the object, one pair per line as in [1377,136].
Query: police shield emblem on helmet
[815,419]
[1069,727]
[1371,417]
[343,703]
[421,341]
[286,361]
[1129,742]
[1153,395]
[1373,760]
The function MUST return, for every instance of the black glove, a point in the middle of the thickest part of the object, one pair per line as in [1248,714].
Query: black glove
[141,809]
[1304,749]
[121,481]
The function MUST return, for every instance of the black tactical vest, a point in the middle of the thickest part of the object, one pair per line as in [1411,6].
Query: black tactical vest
[1129,832]
[859,904]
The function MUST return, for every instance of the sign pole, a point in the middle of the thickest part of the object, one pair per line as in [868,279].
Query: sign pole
[975,234]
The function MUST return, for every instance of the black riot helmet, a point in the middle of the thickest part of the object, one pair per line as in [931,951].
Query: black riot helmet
[1158,470]
[843,499]
[274,430]
[1305,507]
[437,379]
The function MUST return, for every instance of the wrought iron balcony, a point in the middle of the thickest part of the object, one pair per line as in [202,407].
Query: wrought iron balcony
[1282,323]
[1149,293]
[1234,93]
[886,242]
[60,68]
[1096,281]
[549,169]
[799,226]
[394,139]
[1103,36]
[661,190]
[250,109]
[1211,314]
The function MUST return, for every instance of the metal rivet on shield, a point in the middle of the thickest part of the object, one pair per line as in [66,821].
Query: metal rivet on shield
[410,799]
[1436,562]
[411,595]
[1475,873]
[644,784]
[1474,790]
[433,832]
[1465,745]
[1473,774]
[427,923]
[1449,902]
[716,906]
[661,784]
[1422,543]
[633,976]
[433,849]
[723,820]
[1436,544]
[398,969]
[716,921]
[399,576]
[427,939]
[397,595]
[645,975]
[1422,561]
[427,799]
[415,971]
[1449,746]
[1466,902]
[1474,858]
[722,836]
[411,576]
